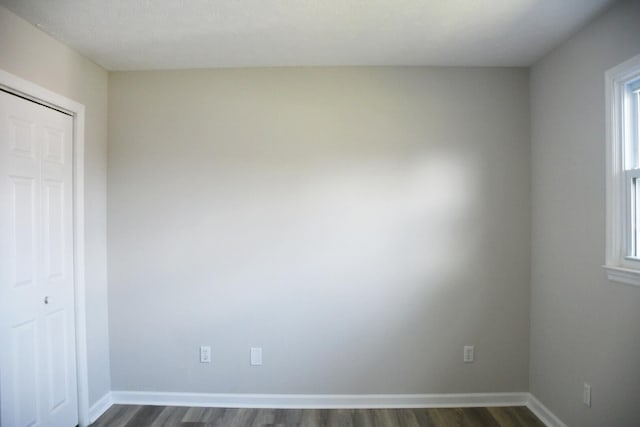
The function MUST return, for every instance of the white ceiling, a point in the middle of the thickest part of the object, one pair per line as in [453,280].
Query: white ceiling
[165,34]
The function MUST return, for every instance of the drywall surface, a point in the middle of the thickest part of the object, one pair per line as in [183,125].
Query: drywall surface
[32,55]
[583,328]
[359,224]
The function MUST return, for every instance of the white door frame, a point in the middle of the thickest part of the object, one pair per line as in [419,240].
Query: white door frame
[32,91]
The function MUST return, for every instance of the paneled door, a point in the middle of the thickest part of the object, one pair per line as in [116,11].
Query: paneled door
[37,327]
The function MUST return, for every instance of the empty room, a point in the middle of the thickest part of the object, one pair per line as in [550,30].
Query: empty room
[319,213]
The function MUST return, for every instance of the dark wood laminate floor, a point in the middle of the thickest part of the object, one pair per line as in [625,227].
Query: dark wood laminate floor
[157,416]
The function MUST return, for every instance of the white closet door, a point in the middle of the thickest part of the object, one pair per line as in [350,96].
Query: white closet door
[37,328]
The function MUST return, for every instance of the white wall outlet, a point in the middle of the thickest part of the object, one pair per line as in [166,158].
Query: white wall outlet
[205,354]
[256,356]
[469,351]
[586,395]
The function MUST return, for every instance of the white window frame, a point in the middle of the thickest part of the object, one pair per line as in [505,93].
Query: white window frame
[621,129]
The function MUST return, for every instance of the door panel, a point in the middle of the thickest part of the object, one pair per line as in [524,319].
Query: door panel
[37,328]
[25,372]
[20,137]
[54,226]
[54,146]
[23,224]
[56,359]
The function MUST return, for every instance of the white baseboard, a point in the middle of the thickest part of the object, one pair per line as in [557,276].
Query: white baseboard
[315,401]
[542,412]
[100,407]
[325,401]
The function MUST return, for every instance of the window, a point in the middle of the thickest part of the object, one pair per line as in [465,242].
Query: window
[623,172]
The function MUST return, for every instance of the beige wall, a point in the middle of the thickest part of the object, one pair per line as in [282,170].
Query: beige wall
[583,328]
[359,224]
[30,54]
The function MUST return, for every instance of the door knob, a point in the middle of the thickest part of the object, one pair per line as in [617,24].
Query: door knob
[46,300]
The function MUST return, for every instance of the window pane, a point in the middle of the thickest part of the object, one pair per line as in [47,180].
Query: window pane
[636,120]
[635,215]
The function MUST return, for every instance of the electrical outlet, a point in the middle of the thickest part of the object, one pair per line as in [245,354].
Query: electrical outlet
[586,395]
[205,354]
[469,351]
[256,356]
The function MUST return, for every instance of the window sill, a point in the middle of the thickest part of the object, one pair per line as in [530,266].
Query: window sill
[623,275]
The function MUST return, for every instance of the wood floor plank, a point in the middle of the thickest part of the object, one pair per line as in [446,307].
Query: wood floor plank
[384,417]
[290,417]
[526,417]
[216,416]
[263,417]
[144,416]
[314,417]
[362,418]
[503,417]
[211,415]
[478,417]
[174,416]
[424,417]
[445,417]
[408,417]
[340,418]
[170,416]
[117,415]
[280,417]
[238,417]
[194,414]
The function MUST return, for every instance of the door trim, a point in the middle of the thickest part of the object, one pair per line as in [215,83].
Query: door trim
[26,89]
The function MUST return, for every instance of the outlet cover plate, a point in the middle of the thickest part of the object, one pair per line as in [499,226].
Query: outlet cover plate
[205,354]
[586,395]
[469,355]
[256,356]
